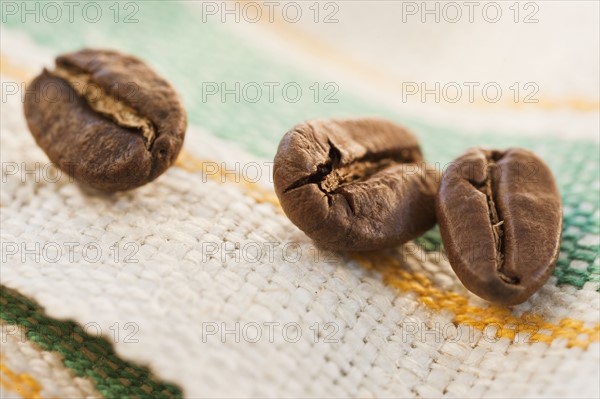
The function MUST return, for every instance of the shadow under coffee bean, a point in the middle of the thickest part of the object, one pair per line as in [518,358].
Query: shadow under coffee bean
[500,218]
[355,184]
[106,119]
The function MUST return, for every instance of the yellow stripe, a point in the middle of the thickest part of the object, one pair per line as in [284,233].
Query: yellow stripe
[22,383]
[188,162]
[574,331]
[380,77]
[506,324]
[9,69]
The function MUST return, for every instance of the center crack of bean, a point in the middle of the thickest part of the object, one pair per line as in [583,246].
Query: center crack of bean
[496,223]
[107,104]
[350,173]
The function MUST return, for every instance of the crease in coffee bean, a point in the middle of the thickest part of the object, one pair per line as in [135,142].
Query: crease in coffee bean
[105,104]
[331,178]
[487,188]
[322,170]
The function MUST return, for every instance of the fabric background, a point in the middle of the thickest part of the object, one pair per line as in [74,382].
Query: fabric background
[205,249]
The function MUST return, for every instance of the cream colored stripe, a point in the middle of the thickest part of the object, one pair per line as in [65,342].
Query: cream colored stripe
[376,76]
[576,332]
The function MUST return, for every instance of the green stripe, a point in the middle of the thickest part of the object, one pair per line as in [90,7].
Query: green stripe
[173,38]
[87,356]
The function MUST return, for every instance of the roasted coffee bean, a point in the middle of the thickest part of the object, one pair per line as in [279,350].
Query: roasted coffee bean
[355,185]
[106,119]
[500,217]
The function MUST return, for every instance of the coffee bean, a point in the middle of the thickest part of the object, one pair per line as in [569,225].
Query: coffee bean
[106,119]
[500,217]
[355,184]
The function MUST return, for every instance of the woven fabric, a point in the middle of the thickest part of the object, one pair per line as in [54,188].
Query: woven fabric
[197,285]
